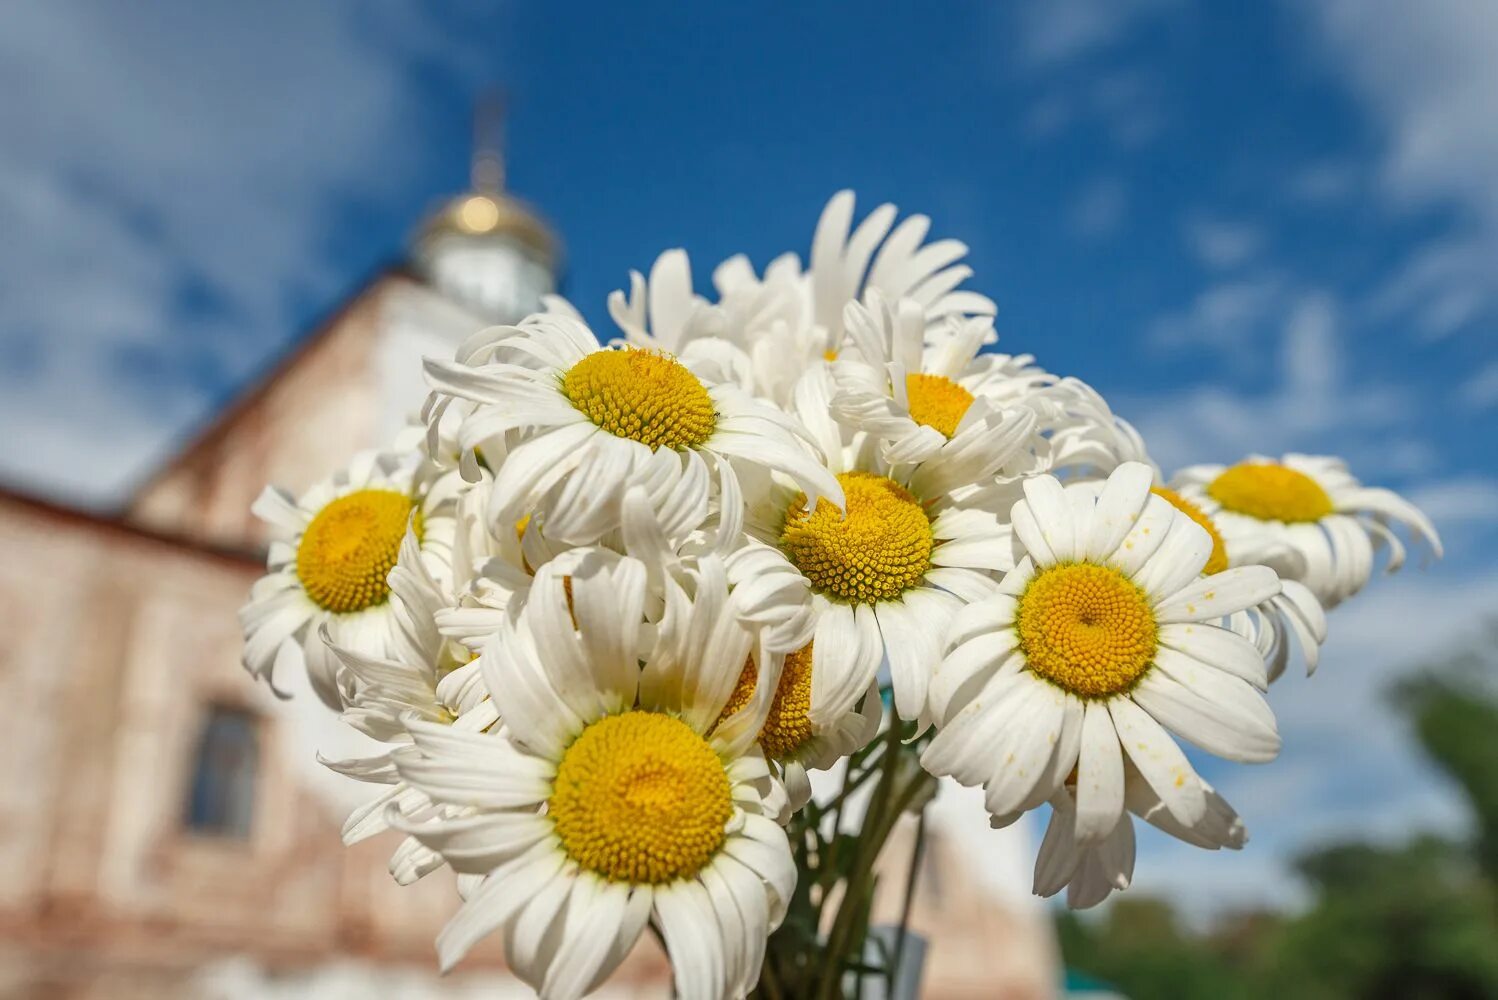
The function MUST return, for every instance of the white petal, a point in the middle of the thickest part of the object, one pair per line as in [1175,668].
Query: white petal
[1217,647]
[1178,561]
[1052,511]
[910,644]
[846,651]
[1118,506]
[690,930]
[594,914]
[1147,534]
[1219,595]
[1100,779]
[497,899]
[1160,762]
[1219,713]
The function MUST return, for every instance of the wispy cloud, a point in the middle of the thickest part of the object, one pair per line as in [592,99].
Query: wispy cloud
[1426,74]
[167,192]
[1480,391]
[1221,243]
[1310,405]
[1461,498]
[1234,317]
[1099,209]
[1053,31]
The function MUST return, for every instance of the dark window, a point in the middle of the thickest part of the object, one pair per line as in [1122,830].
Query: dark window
[221,800]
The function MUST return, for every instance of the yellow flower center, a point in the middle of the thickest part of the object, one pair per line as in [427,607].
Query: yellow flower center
[350,547]
[787,727]
[1270,492]
[1218,560]
[1088,629]
[879,550]
[936,401]
[645,396]
[640,797]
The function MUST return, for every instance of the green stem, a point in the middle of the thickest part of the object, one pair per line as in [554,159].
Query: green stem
[860,877]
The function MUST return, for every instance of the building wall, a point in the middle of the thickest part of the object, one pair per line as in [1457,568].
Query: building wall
[116,645]
[310,415]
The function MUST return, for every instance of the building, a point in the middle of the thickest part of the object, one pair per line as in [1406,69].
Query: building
[166,829]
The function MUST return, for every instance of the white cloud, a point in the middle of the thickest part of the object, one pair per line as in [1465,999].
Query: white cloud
[1234,317]
[1127,105]
[1427,74]
[166,189]
[1323,183]
[1099,209]
[1054,31]
[1221,243]
[1310,406]
[1461,498]
[1480,392]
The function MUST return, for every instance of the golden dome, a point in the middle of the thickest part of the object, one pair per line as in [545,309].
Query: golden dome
[480,213]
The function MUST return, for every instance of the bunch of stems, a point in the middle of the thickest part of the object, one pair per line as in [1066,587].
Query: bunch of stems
[822,949]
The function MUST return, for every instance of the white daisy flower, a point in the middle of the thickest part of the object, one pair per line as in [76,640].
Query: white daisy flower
[763,333]
[789,738]
[1294,611]
[613,796]
[590,416]
[1105,630]
[893,386]
[423,677]
[920,394]
[907,554]
[330,554]
[1089,870]
[918,388]
[669,520]
[1312,506]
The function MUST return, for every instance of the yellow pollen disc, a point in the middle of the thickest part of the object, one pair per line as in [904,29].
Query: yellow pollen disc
[936,401]
[350,547]
[787,727]
[1270,492]
[881,549]
[1218,560]
[641,798]
[645,396]
[1088,629]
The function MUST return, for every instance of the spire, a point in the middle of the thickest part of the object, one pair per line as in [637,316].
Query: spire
[488,171]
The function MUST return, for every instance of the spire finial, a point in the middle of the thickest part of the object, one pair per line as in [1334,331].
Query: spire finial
[488,174]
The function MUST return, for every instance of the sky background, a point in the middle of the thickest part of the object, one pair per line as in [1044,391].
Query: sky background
[1256,227]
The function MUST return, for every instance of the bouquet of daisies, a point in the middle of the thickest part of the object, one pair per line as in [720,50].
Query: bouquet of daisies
[616,598]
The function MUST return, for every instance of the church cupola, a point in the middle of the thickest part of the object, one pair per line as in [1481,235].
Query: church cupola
[485,249]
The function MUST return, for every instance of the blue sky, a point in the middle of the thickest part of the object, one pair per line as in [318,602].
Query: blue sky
[1251,226]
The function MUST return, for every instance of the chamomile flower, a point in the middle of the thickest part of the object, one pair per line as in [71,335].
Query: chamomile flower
[331,552]
[1106,635]
[590,416]
[765,332]
[1090,870]
[919,388]
[1294,611]
[1311,505]
[887,573]
[422,677]
[670,517]
[612,796]
[789,738]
